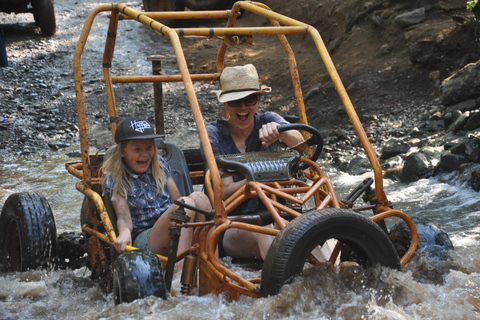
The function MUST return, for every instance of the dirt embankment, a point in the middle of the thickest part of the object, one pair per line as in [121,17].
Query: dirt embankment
[371,51]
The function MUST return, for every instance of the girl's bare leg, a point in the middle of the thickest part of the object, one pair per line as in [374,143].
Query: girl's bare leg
[159,236]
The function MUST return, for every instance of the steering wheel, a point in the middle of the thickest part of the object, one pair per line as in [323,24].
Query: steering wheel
[314,140]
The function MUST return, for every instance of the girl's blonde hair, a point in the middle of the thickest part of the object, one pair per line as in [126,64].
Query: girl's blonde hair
[122,183]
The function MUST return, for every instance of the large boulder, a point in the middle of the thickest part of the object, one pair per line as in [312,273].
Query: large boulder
[462,85]
[411,18]
[393,148]
[417,166]
[450,162]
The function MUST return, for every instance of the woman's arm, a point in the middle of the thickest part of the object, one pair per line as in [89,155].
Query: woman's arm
[229,187]
[269,134]
[124,224]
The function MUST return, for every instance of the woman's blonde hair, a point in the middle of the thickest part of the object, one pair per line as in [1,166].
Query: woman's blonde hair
[122,183]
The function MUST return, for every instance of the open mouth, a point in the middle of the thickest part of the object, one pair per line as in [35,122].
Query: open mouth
[143,163]
[243,116]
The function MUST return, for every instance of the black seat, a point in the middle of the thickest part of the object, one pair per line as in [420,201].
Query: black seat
[174,156]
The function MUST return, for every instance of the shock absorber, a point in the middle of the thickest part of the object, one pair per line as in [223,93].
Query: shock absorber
[177,217]
[188,273]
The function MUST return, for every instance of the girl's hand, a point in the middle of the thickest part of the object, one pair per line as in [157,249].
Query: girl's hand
[123,240]
[268,133]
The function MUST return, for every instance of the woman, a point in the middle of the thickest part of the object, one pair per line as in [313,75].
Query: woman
[142,190]
[241,132]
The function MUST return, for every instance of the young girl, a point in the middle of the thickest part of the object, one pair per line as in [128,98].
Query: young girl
[142,190]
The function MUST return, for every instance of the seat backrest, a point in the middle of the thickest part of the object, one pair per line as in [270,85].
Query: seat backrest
[174,156]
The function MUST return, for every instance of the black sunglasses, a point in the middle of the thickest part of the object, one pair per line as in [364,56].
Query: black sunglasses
[249,101]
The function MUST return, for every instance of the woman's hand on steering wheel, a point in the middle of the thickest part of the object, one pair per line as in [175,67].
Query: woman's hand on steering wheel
[268,133]
[314,140]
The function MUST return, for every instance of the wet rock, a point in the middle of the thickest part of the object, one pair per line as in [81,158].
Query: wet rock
[474,180]
[450,162]
[473,121]
[56,145]
[393,148]
[393,173]
[472,149]
[467,105]
[339,160]
[358,166]
[411,18]
[462,85]
[435,125]
[458,124]
[450,117]
[416,132]
[393,162]
[459,147]
[417,165]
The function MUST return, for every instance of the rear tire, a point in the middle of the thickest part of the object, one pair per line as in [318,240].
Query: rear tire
[28,235]
[290,249]
[44,15]
[138,274]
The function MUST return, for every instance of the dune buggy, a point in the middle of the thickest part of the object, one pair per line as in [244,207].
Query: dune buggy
[283,180]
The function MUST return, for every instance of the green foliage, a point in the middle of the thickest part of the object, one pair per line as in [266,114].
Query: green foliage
[473,6]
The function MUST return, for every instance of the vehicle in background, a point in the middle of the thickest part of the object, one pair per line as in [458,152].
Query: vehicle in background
[43,12]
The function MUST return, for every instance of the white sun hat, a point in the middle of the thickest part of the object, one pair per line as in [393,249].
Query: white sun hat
[239,82]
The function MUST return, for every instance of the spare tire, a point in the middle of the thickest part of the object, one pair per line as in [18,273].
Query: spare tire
[28,234]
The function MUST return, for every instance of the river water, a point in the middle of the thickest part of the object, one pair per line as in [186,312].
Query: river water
[452,293]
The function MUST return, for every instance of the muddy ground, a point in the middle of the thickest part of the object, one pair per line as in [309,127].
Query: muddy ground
[372,53]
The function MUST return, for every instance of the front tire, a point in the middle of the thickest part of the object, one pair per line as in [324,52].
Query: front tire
[138,274]
[290,249]
[28,234]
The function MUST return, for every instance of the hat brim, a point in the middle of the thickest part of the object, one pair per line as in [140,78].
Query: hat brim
[145,137]
[231,96]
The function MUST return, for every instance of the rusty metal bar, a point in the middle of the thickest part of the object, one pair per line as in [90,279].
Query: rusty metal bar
[107,66]
[74,168]
[239,31]
[268,204]
[77,73]
[411,225]
[164,78]
[158,93]
[225,272]
[372,157]
[98,201]
[167,15]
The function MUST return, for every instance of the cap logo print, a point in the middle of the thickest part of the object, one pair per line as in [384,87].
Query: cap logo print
[140,126]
